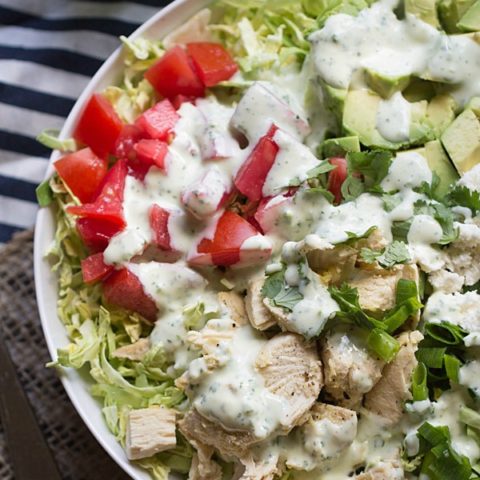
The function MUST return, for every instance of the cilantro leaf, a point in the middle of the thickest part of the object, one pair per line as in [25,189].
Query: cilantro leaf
[322,191]
[443,215]
[273,284]
[395,253]
[281,294]
[323,167]
[464,197]
[369,256]
[351,188]
[430,189]
[372,165]
[390,202]
[353,237]
[288,298]
[400,230]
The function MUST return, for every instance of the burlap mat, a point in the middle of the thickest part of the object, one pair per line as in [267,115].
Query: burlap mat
[77,453]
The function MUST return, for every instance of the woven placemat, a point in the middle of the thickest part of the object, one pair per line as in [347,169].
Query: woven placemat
[77,453]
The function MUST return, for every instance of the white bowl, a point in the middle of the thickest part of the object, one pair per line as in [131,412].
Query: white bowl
[76,384]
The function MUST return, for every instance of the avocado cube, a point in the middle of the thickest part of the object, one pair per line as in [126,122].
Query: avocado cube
[338,147]
[425,10]
[474,105]
[470,22]
[385,85]
[451,11]
[360,119]
[439,162]
[334,100]
[419,89]
[462,141]
[440,113]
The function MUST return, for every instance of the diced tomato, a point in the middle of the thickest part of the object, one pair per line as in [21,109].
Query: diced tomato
[95,269]
[179,100]
[159,121]
[225,247]
[336,177]
[207,195]
[212,62]
[123,289]
[268,211]
[83,172]
[96,233]
[108,205]
[174,75]
[152,152]
[130,135]
[159,222]
[253,173]
[99,126]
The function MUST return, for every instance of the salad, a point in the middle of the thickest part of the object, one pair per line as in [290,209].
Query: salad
[268,243]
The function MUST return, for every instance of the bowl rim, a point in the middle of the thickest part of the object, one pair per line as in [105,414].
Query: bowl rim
[163,22]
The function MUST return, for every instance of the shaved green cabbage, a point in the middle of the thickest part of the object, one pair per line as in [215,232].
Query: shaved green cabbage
[96,332]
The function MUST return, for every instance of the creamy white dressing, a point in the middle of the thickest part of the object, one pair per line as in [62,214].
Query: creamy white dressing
[377,40]
[461,309]
[425,231]
[394,117]
[469,377]
[356,217]
[235,395]
[407,171]
[259,108]
[446,412]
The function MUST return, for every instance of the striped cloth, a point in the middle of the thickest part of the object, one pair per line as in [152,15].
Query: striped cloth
[49,49]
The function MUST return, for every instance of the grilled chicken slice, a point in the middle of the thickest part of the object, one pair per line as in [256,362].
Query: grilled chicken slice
[388,470]
[135,351]
[258,314]
[291,369]
[388,396]
[149,431]
[350,370]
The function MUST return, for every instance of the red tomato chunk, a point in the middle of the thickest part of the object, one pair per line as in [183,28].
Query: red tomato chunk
[159,222]
[95,269]
[159,121]
[253,173]
[108,205]
[96,233]
[99,126]
[123,289]
[337,177]
[83,172]
[212,62]
[174,75]
[224,249]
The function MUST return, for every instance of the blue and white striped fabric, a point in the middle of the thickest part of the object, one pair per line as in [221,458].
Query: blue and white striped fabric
[49,49]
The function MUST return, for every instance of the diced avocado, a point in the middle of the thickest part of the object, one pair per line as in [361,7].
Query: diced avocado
[338,147]
[474,104]
[439,162]
[440,113]
[360,119]
[334,100]
[462,141]
[384,85]
[470,22]
[451,11]
[419,89]
[425,10]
